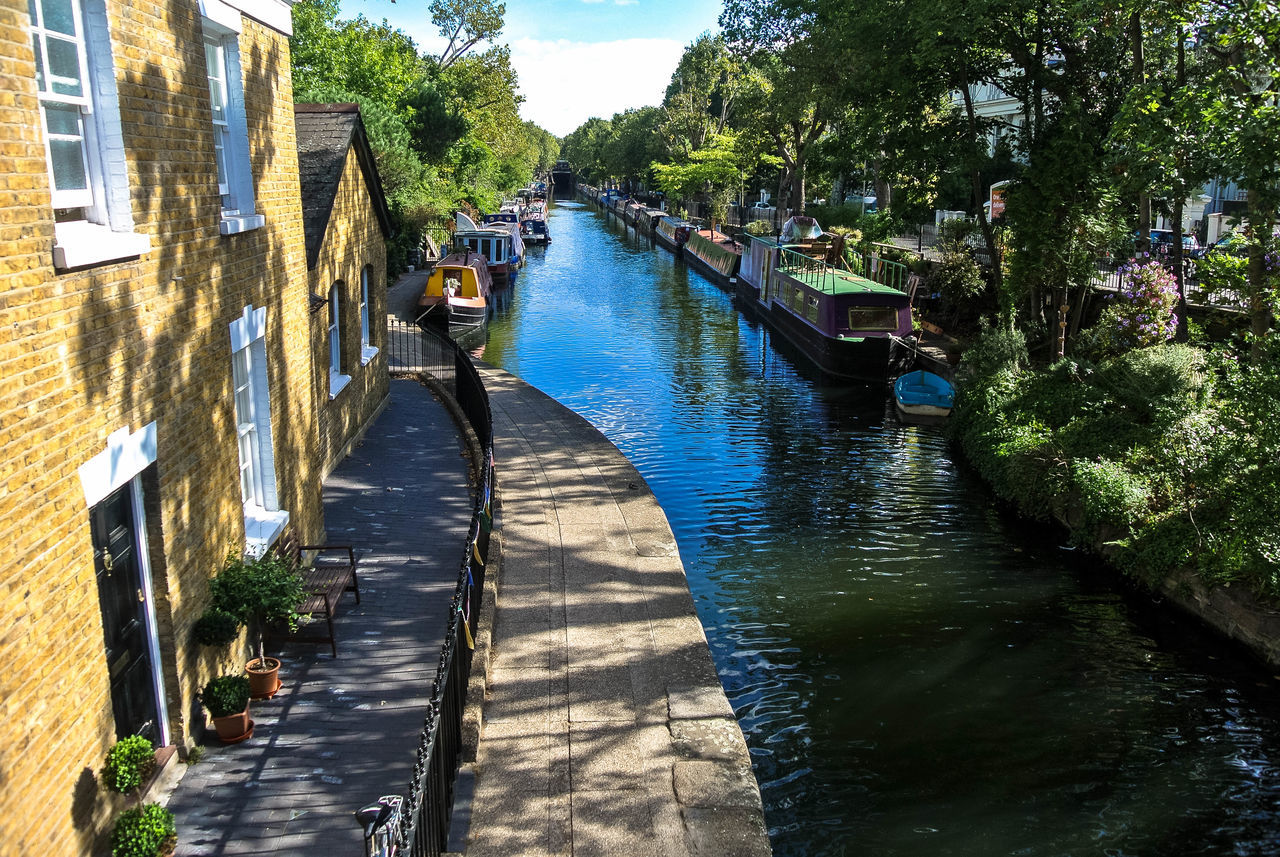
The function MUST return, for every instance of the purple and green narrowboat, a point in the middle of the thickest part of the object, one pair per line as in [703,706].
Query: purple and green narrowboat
[849,325]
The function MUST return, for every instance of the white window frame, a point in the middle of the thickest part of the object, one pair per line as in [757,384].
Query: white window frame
[263,517]
[367,349]
[221,27]
[95,222]
[337,380]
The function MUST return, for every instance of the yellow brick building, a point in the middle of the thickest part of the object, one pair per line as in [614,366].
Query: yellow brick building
[166,393]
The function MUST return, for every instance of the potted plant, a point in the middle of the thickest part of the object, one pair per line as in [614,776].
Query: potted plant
[144,831]
[258,591]
[216,628]
[130,763]
[227,700]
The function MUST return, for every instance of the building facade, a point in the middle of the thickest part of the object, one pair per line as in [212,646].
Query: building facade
[159,407]
[347,224]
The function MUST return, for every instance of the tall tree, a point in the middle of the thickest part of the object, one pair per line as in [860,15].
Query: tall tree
[466,23]
[701,97]
[1242,103]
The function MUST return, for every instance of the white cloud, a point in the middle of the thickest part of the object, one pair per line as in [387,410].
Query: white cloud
[565,83]
[626,2]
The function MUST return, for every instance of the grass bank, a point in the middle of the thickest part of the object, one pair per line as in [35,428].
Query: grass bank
[1165,460]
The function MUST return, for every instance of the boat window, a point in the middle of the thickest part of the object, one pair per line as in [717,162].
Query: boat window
[812,310]
[873,318]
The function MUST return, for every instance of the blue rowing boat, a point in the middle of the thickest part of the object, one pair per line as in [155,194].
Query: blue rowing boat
[923,396]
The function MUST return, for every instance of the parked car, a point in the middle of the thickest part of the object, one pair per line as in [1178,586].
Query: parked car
[1231,243]
[1162,243]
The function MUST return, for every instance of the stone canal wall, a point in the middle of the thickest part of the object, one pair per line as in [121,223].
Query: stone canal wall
[605,728]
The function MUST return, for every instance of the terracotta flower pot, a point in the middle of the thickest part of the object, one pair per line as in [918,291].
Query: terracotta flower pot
[234,727]
[263,678]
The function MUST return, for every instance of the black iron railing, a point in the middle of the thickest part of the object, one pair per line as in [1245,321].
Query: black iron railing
[424,822]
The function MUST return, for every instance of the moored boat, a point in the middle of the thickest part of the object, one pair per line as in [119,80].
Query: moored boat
[499,242]
[647,219]
[848,325]
[533,224]
[631,211]
[761,254]
[673,233]
[456,298]
[715,255]
[923,397]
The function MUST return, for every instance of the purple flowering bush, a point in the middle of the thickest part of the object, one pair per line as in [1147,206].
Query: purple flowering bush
[1141,315]
[1148,295]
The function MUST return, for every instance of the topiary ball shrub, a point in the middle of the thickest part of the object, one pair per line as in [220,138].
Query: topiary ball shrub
[226,695]
[216,628]
[129,764]
[145,831]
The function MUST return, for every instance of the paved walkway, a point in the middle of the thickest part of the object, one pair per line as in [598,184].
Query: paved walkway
[342,732]
[606,730]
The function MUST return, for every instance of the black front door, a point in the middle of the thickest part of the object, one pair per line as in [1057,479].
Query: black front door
[124,616]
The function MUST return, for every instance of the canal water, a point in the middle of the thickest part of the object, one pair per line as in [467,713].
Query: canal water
[916,673]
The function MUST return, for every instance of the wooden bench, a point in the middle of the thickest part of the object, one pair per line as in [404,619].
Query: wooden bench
[331,573]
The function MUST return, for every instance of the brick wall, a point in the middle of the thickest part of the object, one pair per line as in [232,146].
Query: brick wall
[352,241]
[121,345]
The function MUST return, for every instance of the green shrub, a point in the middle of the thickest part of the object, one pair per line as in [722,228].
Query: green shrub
[956,277]
[216,628]
[1147,381]
[144,831]
[129,764]
[759,227]
[1222,276]
[258,591]
[994,349]
[1033,471]
[226,695]
[1110,494]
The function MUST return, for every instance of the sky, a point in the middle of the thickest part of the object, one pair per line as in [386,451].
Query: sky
[575,58]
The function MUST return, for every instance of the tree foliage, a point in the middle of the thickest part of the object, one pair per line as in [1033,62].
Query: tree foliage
[444,129]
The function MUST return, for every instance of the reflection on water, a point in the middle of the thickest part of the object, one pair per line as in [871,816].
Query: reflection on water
[915,674]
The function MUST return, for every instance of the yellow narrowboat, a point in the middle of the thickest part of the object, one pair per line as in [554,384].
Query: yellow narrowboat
[456,297]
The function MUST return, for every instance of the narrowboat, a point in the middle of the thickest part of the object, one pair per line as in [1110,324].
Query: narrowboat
[850,326]
[498,242]
[456,298]
[647,219]
[631,211]
[672,233]
[762,253]
[533,230]
[715,255]
[533,224]
[923,397]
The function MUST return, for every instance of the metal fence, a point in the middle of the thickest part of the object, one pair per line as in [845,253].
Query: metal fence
[424,822]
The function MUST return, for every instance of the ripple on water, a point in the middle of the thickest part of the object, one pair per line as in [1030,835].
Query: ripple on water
[915,674]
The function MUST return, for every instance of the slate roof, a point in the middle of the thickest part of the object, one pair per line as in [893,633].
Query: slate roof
[326,132]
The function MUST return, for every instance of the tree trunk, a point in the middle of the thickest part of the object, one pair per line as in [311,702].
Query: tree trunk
[1143,242]
[988,235]
[1260,225]
[1180,194]
[1179,274]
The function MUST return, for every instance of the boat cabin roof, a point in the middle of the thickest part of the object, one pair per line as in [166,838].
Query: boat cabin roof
[834,281]
[469,268]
